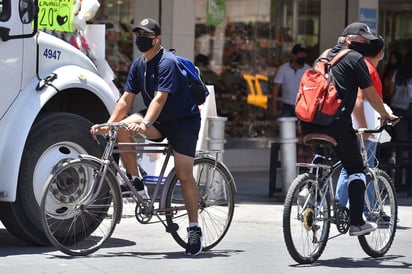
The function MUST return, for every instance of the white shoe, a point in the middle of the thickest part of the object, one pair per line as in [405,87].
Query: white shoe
[366,228]
[144,193]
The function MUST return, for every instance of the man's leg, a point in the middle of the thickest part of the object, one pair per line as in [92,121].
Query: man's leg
[184,171]
[349,153]
[342,188]
[129,159]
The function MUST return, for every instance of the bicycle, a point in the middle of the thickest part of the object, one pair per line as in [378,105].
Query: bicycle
[310,205]
[82,203]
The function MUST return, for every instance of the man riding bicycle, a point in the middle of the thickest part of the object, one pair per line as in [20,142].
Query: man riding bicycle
[350,73]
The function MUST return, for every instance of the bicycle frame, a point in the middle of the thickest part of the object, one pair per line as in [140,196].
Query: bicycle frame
[369,171]
[327,185]
[114,147]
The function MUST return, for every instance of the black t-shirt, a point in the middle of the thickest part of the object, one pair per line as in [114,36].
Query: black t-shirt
[349,73]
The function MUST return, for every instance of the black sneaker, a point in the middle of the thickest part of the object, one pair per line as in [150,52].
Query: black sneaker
[194,242]
[140,187]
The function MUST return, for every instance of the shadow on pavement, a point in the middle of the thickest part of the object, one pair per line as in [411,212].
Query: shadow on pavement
[392,262]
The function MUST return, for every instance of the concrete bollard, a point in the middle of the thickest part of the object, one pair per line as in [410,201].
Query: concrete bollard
[288,143]
[216,134]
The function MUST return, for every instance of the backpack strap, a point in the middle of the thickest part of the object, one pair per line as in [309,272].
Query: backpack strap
[335,58]
[338,56]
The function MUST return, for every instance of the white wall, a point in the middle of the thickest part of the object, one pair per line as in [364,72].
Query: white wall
[177,20]
[332,22]
[334,18]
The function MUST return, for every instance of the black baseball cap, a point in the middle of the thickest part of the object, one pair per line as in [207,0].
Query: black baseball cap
[299,48]
[361,29]
[149,25]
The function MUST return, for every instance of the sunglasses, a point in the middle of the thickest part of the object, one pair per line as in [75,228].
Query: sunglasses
[145,34]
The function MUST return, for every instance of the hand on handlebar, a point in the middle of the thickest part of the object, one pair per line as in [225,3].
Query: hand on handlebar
[98,129]
[390,119]
[134,129]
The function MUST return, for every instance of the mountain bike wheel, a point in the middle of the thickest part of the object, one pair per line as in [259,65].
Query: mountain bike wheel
[383,209]
[216,203]
[305,222]
[79,211]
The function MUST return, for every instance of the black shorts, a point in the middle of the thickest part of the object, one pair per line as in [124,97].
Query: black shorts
[181,140]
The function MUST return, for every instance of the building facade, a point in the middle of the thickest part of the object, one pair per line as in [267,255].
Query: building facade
[248,38]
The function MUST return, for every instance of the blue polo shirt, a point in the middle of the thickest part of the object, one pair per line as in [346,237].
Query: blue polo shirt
[163,74]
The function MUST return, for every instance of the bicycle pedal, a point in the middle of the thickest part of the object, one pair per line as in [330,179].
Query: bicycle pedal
[172,228]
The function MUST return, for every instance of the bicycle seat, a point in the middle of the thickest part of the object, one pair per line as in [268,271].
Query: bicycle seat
[319,139]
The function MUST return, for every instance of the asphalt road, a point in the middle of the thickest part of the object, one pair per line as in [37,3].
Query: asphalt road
[254,244]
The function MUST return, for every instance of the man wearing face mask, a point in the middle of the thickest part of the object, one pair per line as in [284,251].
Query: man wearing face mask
[351,73]
[287,80]
[364,116]
[171,113]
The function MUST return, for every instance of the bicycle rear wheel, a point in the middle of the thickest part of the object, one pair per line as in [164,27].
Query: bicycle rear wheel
[305,221]
[383,210]
[79,211]
[216,203]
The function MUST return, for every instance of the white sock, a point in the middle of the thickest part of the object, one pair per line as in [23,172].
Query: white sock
[193,224]
[134,177]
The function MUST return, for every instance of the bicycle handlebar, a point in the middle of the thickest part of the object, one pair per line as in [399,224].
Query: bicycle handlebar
[118,125]
[377,130]
[113,124]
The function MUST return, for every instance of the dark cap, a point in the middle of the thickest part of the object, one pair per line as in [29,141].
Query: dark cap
[361,29]
[149,25]
[299,48]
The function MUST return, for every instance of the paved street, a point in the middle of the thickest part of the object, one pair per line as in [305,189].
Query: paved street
[254,244]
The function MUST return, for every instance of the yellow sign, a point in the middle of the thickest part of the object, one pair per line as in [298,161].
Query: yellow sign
[55,15]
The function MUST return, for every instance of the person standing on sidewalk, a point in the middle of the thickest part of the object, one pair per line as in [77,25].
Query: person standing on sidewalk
[287,80]
[351,73]
[171,113]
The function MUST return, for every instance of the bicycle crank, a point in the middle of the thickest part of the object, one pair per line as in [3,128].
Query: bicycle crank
[142,216]
[342,219]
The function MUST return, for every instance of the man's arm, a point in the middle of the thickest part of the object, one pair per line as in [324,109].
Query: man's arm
[358,111]
[120,111]
[156,106]
[123,105]
[275,96]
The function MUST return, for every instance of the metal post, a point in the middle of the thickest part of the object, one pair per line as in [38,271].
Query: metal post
[288,143]
[216,134]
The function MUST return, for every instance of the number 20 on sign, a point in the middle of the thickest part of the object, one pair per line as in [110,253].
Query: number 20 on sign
[55,15]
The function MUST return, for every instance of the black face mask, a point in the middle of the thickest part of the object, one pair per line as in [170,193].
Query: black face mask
[301,60]
[362,48]
[144,43]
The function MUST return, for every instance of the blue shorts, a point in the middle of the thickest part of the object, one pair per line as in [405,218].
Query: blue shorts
[181,140]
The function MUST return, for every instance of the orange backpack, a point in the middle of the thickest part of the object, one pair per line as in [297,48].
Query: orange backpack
[317,100]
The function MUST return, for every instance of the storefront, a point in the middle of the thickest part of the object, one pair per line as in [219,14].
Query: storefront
[245,39]
[245,47]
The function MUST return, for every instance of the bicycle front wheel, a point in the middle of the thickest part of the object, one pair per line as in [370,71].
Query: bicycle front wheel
[216,203]
[383,209]
[306,219]
[79,210]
